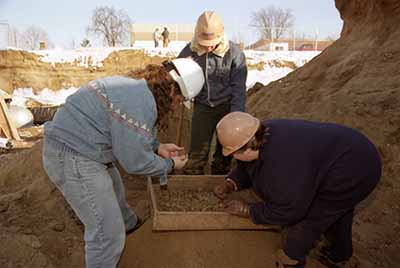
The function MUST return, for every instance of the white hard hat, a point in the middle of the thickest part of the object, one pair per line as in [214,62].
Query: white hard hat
[20,116]
[189,77]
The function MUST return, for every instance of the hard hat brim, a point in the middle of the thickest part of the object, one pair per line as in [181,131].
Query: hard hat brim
[226,152]
[208,43]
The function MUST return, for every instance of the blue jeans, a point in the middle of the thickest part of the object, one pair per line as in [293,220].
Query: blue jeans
[97,195]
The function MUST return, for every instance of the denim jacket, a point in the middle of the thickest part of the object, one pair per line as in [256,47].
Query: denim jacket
[112,119]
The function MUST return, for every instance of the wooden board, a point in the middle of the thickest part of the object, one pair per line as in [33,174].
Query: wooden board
[7,130]
[178,220]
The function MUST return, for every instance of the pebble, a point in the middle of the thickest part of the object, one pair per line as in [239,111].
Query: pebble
[27,231]
[4,206]
[57,226]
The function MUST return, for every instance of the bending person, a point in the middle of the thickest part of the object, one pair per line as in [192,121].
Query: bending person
[110,119]
[310,175]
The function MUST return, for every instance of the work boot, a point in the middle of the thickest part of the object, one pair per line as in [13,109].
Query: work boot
[139,223]
[195,165]
[284,261]
[221,165]
[353,262]
[219,170]
[322,254]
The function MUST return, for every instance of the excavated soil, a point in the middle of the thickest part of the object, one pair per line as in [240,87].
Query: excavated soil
[188,200]
[202,200]
[355,82]
[22,69]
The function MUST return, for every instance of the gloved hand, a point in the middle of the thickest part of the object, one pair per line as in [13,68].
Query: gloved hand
[238,208]
[221,190]
[168,150]
[180,161]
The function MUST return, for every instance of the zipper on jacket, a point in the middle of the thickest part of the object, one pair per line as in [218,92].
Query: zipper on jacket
[208,85]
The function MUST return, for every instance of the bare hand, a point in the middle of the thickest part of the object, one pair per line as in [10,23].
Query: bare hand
[180,161]
[221,190]
[238,208]
[168,150]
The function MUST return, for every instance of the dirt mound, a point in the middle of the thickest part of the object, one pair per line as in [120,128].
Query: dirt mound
[356,82]
[36,227]
[273,63]
[21,69]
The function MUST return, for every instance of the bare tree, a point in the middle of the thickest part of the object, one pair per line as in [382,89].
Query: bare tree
[85,43]
[112,25]
[32,36]
[237,37]
[272,22]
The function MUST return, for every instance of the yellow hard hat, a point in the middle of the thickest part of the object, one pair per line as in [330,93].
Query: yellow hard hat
[236,129]
[209,29]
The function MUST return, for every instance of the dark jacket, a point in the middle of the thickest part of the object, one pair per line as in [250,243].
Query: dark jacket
[225,77]
[165,34]
[304,165]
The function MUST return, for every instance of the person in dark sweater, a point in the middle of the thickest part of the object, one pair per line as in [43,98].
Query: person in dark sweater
[310,175]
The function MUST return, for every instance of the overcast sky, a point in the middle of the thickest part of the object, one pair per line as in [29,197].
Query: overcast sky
[67,20]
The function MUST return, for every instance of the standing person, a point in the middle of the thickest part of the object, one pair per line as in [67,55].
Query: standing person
[311,176]
[224,91]
[156,37]
[108,120]
[165,36]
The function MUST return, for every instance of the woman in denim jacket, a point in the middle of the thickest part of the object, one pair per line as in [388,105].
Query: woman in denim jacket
[110,119]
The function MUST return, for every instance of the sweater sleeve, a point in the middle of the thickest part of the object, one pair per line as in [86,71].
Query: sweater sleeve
[135,151]
[240,177]
[290,196]
[238,76]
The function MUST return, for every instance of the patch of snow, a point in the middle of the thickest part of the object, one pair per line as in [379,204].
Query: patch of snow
[266,76]
[45,96]
[95,56]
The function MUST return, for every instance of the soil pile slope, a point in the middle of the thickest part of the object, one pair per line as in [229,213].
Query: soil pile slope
[356,82]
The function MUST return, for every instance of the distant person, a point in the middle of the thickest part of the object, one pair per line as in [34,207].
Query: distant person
[311,176]
[224,91]
[165,36]
[157,37]
[114,119]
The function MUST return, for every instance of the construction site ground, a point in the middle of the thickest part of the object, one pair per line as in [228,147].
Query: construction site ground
[355,81]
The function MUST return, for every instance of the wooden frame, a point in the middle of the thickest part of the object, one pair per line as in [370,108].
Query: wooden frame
[7,130]
[177,221]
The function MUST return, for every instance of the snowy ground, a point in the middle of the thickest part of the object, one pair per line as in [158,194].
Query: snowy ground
[95,57]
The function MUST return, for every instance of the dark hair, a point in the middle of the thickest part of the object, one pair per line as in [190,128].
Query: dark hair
[161,85]
[257,140]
